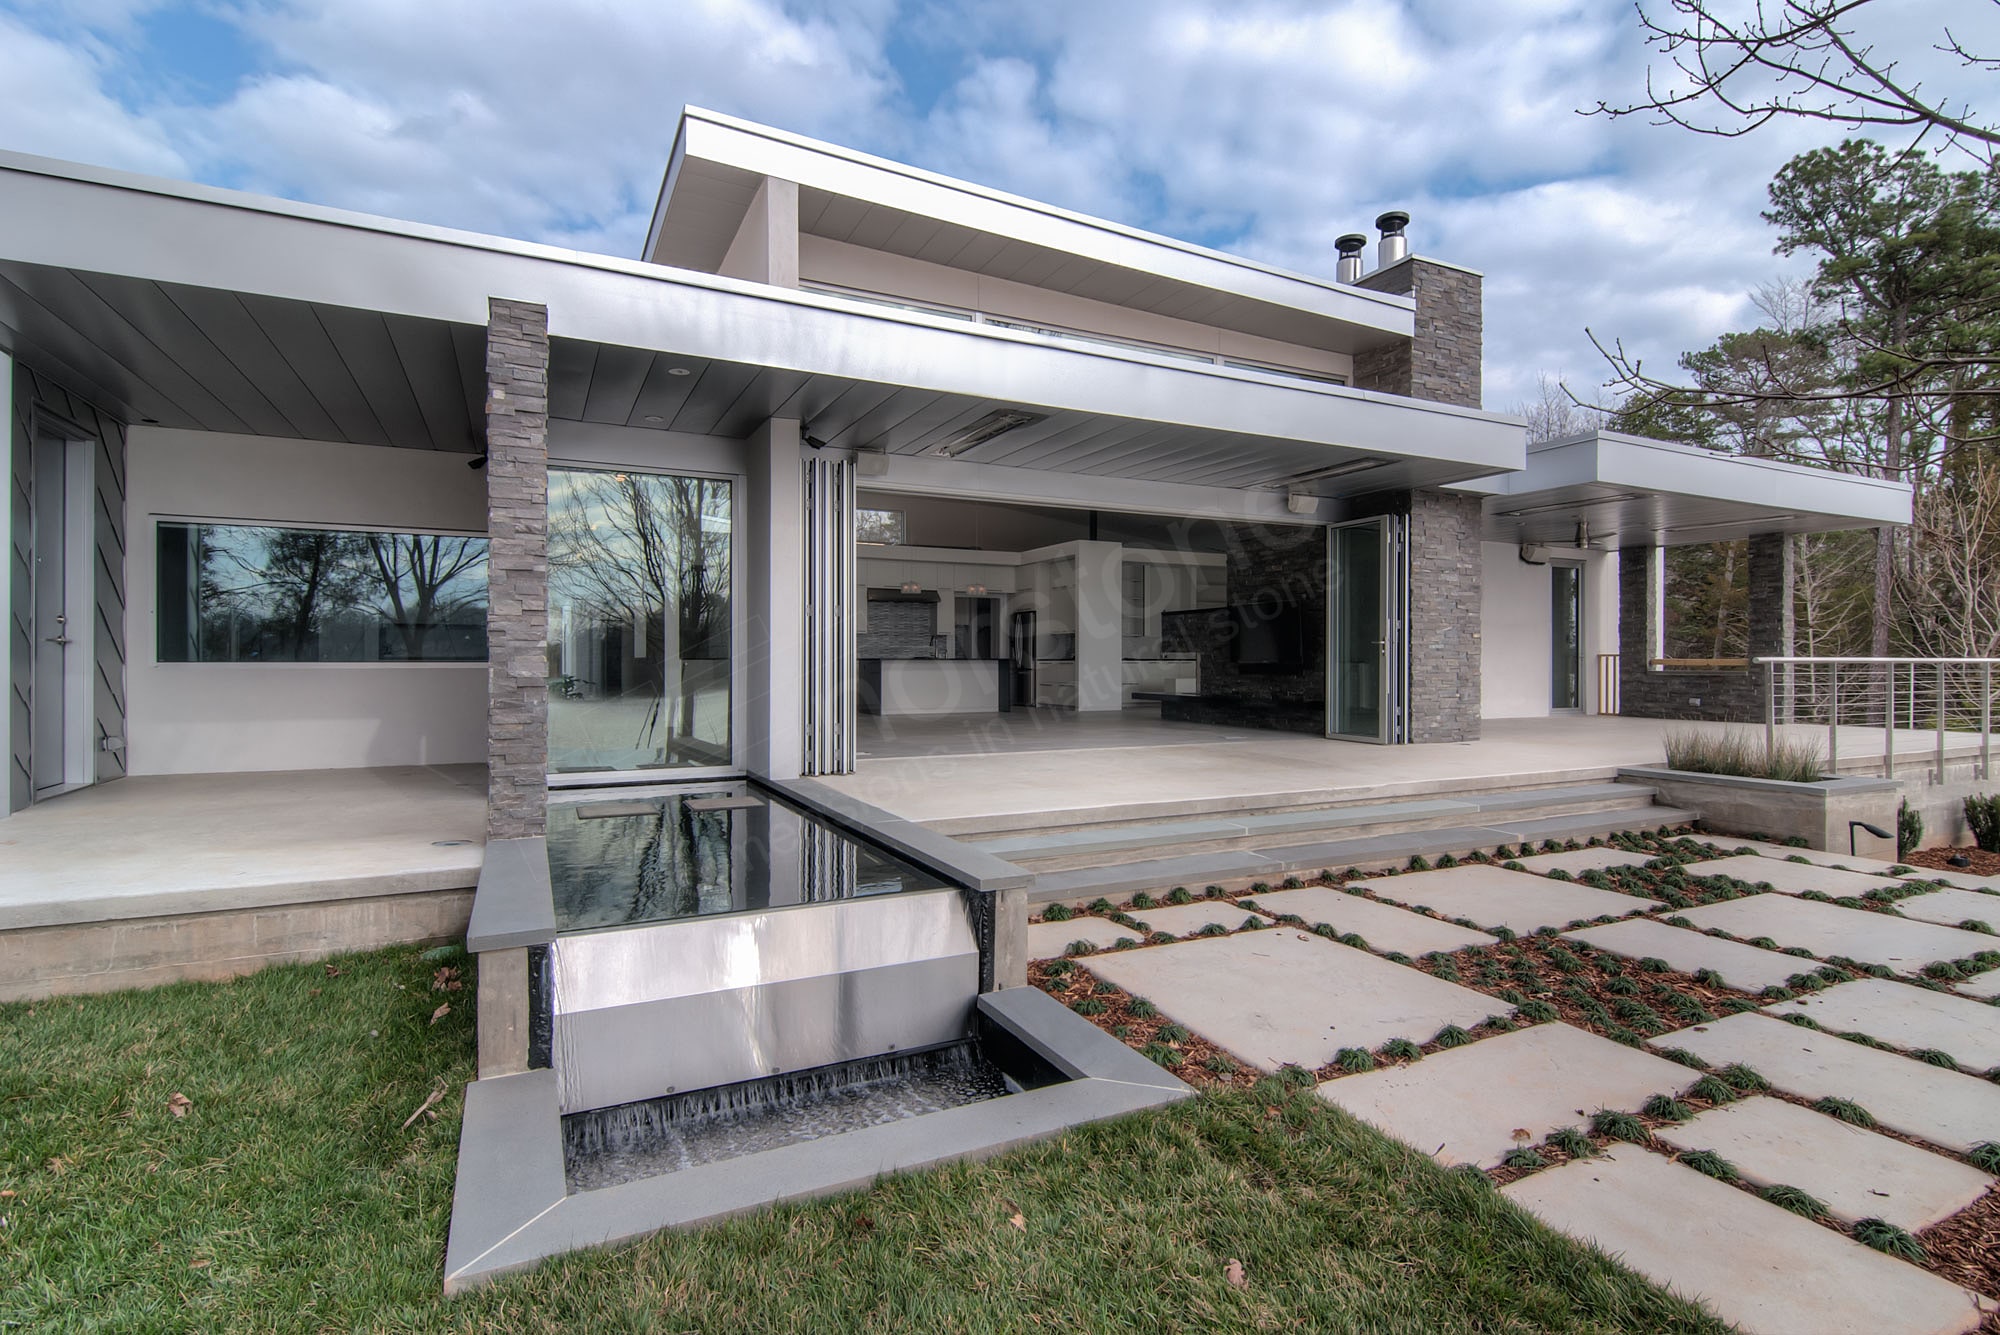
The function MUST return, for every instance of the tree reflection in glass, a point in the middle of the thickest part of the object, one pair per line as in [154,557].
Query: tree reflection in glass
[638,648]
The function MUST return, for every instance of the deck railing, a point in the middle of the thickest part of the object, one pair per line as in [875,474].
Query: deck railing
[1942,696]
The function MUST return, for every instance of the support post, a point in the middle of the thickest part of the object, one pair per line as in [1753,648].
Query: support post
[1833,723]
[517,529]
[1889,726]
[1986,722]
[1940,720]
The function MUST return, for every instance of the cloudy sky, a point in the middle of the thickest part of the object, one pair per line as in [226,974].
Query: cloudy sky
[1264,127]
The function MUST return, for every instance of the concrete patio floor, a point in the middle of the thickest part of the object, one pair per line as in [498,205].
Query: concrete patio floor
[210,842]
[962,767]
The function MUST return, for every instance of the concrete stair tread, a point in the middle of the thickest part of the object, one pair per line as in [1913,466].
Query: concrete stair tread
[1381,850]
[1119,838]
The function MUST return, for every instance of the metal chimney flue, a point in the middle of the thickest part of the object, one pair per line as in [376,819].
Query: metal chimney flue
[1350,248]
[1395,246]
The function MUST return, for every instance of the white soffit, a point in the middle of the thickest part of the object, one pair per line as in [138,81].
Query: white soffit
[718,162]
[1632,491]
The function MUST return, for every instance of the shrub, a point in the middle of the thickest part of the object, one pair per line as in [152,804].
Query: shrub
[1402,1050]
[1620,1126]
[1982,816]
[1172,1033]
[1217,1064]
[1795,1200]
[1451,1036]
[1088,1006]
[1572,1142]
[1845,1110]
[1909,829]
[1078,948]
[1057,913]
[1522,1158]
[1741,752]
[1354,1060]
[1143,1009]
[1179,895]
[1884,1236]
[1710,1164]
[1163,1054]
[1985,1156]
[1667,1107]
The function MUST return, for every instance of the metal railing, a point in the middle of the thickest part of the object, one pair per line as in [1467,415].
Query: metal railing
[1951,698]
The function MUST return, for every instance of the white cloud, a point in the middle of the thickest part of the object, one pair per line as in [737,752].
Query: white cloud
[1275,125]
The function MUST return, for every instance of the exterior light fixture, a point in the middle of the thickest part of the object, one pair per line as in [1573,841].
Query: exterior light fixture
[975,589]
[996,423]
[678,370]
[911,586]
[654,417]
[1875,830]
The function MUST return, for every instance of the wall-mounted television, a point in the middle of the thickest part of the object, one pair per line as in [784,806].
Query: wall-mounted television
[1267,640]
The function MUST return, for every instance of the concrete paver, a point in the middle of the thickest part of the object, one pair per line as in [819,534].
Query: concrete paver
[1382,926]
[1580,860]
[1857,1174]
[1830,930]
[1964,880]
[1791,878]
[1944,1107]
[1464,1105]
[1765,1269]
[1985,986]
[1046,940]
[1746,968]
[1952,907]
[1496,897]
[1909,1017]
[1283,996]
[1186,919]
[1819,857]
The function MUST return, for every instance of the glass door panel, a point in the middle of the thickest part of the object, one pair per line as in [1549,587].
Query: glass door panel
[639,621]
[1357,664]
[1565,637]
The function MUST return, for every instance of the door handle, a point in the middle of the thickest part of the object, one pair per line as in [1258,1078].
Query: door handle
[57,639]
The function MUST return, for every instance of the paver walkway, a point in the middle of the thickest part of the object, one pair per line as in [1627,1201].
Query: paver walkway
[1952,907]
[1745,968]
[1383,926]
[1909,1017]
[1943,1107]
[1580,860]
[1046,940]
[1792,878]
[1766,1269]
[1284,996]
[1856,1174]
[1831,931]
[1495,897]
[1466,1105]
[1187,919]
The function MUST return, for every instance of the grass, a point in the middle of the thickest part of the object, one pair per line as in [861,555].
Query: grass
[289,1198]
[1845,1110]
[1797,1201]
[1741,752]
[1886,1237]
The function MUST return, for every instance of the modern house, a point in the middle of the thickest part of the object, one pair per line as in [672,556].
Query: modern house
[851,456]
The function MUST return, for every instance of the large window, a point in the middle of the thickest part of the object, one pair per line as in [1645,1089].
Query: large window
[1705,611]
[881,528]
[639,617]
[239,593]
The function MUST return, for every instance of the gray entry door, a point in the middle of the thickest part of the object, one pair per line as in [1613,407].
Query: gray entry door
[61,615]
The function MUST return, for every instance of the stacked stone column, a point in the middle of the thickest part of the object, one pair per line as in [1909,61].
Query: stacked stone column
[517,527]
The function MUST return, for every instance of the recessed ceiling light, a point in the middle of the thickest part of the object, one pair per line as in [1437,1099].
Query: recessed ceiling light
[678,370]
[654,417]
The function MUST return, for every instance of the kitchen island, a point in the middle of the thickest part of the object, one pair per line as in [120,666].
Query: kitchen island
[929,686]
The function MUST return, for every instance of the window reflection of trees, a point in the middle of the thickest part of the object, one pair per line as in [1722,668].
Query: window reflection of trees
[252,593]
[626,552]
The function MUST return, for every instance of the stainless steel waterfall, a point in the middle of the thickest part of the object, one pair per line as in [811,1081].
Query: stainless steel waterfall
[649,1010]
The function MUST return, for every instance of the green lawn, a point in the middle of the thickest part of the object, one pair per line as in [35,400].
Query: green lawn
[288,1197]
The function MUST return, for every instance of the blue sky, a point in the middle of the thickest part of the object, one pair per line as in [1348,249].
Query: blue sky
[1266,127]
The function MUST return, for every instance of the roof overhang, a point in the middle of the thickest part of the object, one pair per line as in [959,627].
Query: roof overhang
[719,161]
[214,310]
[1629,491]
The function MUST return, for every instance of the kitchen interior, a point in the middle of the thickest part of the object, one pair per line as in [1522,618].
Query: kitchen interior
[977,607]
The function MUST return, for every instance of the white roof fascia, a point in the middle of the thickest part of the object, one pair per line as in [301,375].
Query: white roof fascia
[111,222]
[1634,463]
[759,149]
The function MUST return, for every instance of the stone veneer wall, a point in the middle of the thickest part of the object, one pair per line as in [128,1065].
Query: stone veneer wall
[1725,695]
[1264,566]
[1442,361]
[1445,646]
[517,527]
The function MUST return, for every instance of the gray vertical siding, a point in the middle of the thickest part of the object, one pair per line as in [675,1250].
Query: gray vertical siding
[66,412]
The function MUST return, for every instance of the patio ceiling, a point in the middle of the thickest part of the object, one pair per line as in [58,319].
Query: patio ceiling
[1629,491]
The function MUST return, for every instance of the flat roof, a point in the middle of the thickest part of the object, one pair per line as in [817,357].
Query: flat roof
[1632,491]
[718,162]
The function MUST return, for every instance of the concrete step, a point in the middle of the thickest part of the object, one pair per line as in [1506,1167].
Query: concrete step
[1370,852]
[1071,849]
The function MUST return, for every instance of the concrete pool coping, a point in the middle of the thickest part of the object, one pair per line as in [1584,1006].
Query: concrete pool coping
[511,1208]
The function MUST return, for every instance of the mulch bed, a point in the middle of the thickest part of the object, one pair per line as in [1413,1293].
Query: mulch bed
[1966,1247]
[1983,863]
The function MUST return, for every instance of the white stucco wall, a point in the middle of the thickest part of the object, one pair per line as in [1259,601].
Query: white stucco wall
[1515,626]
[193,718]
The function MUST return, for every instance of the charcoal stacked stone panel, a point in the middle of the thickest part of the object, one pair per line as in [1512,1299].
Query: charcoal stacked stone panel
[517,526]
[1728,695]
[1442,361]
[1444,701]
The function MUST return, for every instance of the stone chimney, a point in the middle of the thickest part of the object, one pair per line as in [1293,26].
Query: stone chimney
[1442,362]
